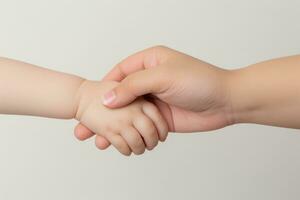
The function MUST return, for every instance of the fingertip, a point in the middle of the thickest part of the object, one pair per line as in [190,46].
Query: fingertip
[127,154]
[82,133]
[101,143]
[151,148]
[76,134]
[164,133]
[163,139]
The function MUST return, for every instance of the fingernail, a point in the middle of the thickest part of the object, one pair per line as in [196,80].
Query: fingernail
[109,97]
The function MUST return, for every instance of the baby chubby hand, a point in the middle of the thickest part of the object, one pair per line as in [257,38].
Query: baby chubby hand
[129,129]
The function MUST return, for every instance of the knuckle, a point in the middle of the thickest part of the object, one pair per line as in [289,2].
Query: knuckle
[128,81]
[108,129]
[120,122]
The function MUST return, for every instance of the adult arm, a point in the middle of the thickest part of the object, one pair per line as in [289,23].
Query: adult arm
[196,96]
[265,93]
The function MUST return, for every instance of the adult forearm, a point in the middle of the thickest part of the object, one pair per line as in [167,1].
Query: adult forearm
[267,93]
[30,90]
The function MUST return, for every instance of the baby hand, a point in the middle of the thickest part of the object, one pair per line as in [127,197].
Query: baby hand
[129,129]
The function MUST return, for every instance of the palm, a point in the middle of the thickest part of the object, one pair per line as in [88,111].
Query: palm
[183,120]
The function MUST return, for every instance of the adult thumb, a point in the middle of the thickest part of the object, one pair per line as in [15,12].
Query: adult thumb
[134,85]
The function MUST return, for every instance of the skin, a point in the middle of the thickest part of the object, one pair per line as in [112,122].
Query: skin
[26,89]
[194,95]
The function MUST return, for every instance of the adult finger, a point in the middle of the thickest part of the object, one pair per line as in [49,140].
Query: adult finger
[148,58]
[135,85]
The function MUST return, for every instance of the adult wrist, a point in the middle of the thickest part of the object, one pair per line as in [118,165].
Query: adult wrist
[242,97]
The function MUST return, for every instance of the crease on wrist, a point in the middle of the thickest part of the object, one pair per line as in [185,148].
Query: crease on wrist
[77,99]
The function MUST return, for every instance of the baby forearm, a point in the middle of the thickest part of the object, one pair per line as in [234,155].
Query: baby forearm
[30,90]
[268,93]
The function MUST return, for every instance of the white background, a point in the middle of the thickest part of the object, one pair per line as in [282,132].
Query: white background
[40,159]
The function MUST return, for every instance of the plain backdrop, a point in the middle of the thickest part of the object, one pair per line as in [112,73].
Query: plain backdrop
[40,158]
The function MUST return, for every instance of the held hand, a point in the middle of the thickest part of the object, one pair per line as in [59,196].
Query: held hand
[139,125]
[192,95]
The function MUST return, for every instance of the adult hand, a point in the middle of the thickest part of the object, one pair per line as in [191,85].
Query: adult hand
[191,94]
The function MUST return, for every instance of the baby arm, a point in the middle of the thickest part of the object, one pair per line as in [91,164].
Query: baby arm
[26,89]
